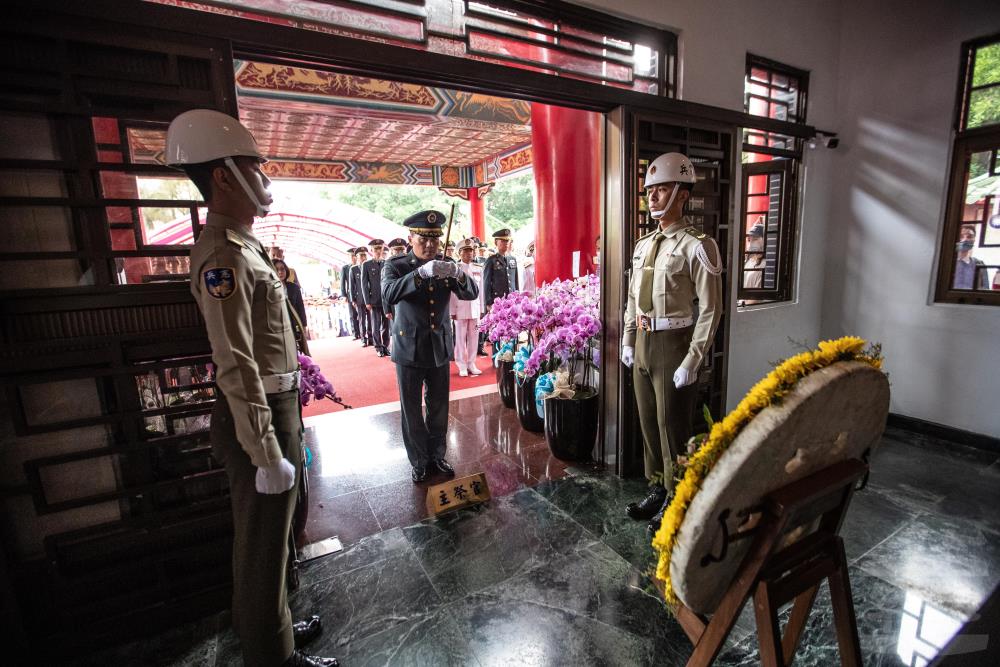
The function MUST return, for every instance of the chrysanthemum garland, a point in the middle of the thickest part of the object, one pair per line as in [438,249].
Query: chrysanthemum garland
[769,390]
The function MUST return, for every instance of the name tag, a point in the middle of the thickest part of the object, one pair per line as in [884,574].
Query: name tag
[457,493]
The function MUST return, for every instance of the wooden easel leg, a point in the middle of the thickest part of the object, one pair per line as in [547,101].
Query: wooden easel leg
[843,612]
[768,628]
[797,621]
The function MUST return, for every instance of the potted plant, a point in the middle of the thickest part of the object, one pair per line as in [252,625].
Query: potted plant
[567,349]
[501,328]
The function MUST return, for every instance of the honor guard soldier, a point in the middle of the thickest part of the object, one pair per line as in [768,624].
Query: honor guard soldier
[465,314]
[358,298]
[371,292]
[419,288]
[256,430]
[663,344]
[500,270]
[345,293]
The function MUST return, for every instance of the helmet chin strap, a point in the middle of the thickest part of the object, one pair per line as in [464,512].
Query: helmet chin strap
[656,215]
[261,208]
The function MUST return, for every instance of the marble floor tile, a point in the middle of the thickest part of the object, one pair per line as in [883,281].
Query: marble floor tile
[400,503]
[597,501]
[346,516]
[513,632]
[894,626]
[872,517]
[476,548]
[976,499]
[502,474]
[948,561]
[366,600]
[367,551]
[432,639]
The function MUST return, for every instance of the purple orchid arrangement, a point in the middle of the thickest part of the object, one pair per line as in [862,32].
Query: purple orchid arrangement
[560,324]
[313,384]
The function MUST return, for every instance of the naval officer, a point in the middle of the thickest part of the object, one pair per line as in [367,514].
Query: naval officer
[418,287]
[665,339]
[256,427]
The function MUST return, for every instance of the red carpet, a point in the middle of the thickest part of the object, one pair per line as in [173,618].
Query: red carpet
[361,378]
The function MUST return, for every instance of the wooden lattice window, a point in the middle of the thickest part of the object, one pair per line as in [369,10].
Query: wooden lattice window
[770,182]
[969,264]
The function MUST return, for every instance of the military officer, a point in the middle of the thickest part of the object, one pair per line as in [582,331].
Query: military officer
[500,270]
[465,314]
[256,427]
[528,270]
[665,338]
[358,298]
[371,292]
[481,253]
[397,247]
[419,287]
[345,292]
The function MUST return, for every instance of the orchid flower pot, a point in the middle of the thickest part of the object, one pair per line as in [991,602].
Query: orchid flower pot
[506,382]
[571,426]
[524,399]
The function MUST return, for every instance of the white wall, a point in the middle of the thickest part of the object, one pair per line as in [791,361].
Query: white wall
[715,38]
[899,66]
[883,74]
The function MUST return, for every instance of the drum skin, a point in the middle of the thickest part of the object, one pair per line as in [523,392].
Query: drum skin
[833,414]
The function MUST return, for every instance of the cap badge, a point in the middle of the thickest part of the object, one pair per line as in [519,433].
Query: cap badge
[432,217]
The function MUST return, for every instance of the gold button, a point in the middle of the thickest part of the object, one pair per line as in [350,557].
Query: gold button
[433,327]
[432,301]
[430,289]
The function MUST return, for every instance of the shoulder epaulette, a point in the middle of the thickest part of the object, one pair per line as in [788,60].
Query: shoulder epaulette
[645,236]
[695,232]
[233,237]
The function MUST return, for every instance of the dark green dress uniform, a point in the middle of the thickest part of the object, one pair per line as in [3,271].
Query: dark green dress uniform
[371,293]
[422,342]
[499,273]
[357,300]
[255,422]
[345,291]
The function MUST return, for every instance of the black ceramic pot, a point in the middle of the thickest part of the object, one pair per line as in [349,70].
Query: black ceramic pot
[506,383]
[571,427]
[524,398]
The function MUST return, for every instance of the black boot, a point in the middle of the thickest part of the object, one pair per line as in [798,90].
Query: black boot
[302,660]
[654,523]
[648,506]
[306,631]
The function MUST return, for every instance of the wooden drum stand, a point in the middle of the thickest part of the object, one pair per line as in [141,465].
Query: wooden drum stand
[775,574]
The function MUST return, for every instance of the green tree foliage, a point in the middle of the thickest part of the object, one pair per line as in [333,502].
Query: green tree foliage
[984,104]
[510,203]
[398,202]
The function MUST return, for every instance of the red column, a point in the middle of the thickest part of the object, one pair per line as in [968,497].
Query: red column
[477,209]
[566,159]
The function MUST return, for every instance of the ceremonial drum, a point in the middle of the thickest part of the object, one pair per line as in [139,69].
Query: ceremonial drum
[833,414]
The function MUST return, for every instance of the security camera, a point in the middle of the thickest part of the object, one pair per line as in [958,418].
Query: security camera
[827,140]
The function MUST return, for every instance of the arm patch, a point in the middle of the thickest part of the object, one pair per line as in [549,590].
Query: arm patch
[220,283]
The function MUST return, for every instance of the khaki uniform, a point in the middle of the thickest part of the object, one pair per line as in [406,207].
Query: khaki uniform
[246,315]
[687,265]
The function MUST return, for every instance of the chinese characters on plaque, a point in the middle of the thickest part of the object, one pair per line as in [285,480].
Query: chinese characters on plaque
[457,493]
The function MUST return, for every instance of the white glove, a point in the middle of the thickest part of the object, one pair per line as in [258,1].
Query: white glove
[683,377]
[628,355]
[426,270]
[443,269]
[275,478]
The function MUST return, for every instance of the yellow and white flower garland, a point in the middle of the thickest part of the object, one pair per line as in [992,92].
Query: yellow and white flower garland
[775,385]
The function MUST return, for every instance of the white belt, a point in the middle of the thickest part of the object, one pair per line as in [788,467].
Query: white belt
[280,382]
[663,323]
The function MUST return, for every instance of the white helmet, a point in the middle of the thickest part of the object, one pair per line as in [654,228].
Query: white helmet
[670,168]
[204,135]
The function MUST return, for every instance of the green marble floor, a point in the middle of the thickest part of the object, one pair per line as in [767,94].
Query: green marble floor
[555,575]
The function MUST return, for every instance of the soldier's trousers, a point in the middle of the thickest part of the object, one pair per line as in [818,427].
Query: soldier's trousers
[261,525]
[364,322]
[664,411]
[424,437]
[379,324]
[354,319]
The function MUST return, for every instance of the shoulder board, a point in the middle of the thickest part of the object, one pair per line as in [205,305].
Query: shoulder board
[233,237]
[645,236]
[695,232]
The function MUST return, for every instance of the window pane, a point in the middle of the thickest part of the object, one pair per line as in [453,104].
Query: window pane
[984,107]
[977,246]
[987,67]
